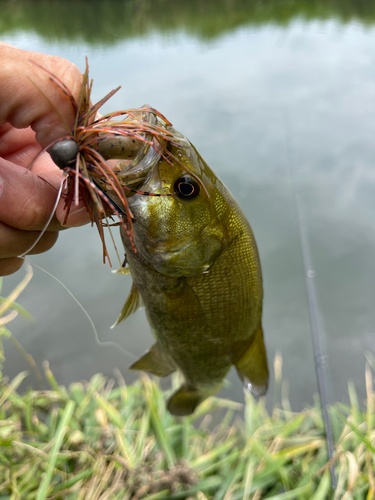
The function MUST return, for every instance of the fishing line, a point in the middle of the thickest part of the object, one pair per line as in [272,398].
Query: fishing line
[22,256]
[97,340]
[319,358]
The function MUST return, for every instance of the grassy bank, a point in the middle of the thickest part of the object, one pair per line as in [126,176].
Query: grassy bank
[101,440]
[94,441]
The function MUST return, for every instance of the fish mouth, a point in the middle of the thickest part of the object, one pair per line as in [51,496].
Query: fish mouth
[135,174]
[190,257]
[175,261]
[142,156]
[153,246]
[164,252]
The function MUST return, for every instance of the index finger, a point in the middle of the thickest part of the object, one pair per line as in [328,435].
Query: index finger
[29,98]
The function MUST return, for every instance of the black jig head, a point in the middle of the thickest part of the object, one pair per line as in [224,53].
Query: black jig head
[64,152]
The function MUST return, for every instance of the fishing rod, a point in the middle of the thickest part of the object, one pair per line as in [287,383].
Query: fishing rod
[320,359]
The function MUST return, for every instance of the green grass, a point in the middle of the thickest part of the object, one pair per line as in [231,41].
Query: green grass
[94,441]
[99,441]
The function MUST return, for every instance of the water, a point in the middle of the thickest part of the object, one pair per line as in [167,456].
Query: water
[265,92]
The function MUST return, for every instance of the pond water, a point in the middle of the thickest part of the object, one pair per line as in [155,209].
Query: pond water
[279,97]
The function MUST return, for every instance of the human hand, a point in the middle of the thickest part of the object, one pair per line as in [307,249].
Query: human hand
[29,123]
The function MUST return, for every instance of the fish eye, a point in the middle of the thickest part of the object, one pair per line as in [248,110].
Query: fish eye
[63,152]
[186,187]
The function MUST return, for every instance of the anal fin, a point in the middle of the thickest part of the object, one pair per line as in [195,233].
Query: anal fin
[252,366]
[155,362]
[133,302]
[184,401]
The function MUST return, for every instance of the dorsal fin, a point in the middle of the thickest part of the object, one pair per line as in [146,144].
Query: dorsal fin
[133,302]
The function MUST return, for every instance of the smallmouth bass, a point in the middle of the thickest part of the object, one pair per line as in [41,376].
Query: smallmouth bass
[198,274]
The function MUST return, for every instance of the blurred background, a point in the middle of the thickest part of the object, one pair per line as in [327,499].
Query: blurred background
[279,97]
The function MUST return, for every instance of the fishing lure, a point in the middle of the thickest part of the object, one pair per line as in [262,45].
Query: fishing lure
[83,152]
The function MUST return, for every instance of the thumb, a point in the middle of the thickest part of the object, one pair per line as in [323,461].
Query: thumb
[30,98]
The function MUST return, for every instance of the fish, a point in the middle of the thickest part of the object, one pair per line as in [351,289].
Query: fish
[196,270]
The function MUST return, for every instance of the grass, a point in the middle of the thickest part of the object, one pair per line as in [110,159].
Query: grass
[100,441]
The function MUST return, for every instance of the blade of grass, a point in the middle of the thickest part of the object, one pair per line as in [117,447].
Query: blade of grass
[209,484]
[248,476]
[362,438]
[205,460]
[370,398]
[226,484]
[17,381]
[157,423]
[291,495]
[8,302]
[111,411]
[142,434]
[60,433]
[324,488]
[124,447]
[186,424]
[29,359]
[354,403]
[18,309]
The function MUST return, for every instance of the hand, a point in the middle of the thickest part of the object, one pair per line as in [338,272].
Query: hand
[29,123]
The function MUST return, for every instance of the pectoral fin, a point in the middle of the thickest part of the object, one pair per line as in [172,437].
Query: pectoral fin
[133,302]
[122,270]
[155,362]
[252,366]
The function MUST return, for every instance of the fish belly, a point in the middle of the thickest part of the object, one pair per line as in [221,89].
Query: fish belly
[203,323]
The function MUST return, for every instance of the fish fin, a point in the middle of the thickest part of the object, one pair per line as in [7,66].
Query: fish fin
[155,362]
[133,302]
[122,270]
[252,366]
[184,401]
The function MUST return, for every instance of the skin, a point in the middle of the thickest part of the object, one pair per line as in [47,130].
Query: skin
[28,123]
[198,272]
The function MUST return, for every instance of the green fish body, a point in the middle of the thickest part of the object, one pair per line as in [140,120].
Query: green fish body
[197,272]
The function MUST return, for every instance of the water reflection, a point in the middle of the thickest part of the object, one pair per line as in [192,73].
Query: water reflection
[282,93]
[100,23]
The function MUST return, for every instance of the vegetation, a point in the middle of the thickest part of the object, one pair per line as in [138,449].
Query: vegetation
[107,22]
[100,442]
